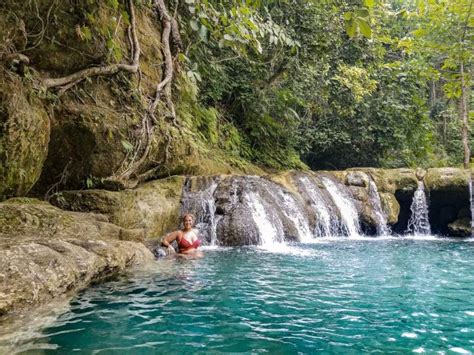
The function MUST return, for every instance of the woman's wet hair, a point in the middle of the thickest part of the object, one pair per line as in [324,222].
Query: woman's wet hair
[188,215]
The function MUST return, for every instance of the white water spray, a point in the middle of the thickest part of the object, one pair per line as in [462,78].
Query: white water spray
[419,222]
[325,225]
[293,212]
[382,228]
[347,209]
[267,231]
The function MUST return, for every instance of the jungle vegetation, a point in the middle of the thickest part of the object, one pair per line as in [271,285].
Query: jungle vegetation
[328,84]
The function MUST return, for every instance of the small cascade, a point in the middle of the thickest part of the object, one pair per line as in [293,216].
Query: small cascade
[349,216]
[201,204]
[326,225]
[471,193]
[374,197]
[419,222]
[269,233]
[293,212]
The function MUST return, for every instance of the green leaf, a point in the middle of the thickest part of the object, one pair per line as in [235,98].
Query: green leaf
[351,28]
[127,145]
[364,28]
[369,3]
[203,33]
[348,16]
[194,25]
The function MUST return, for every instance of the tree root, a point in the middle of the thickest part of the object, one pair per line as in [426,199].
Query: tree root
[169,30]
[69,81]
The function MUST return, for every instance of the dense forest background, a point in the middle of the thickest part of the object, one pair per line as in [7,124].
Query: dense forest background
[334,84]
[120,90]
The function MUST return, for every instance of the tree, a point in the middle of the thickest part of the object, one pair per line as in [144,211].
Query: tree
[442,43]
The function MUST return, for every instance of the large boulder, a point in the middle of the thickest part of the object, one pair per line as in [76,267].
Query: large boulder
[24,136]
[449,200]
[46,252]
[154,206]
[447,179]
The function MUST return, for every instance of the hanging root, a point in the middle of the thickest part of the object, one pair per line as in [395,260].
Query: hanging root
[163,88]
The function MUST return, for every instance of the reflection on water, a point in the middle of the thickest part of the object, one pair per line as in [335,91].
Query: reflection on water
[390,295]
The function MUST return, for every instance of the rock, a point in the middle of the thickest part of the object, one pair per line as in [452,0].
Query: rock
[448,196]
[447,179]
[153,207]
[24,137]
[357,178]
[390,206]
[394,180]
[461,227]
[46,252]
[420,173]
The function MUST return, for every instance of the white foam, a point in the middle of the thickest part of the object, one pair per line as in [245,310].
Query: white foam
[419,350]
[409,335]
[460,350]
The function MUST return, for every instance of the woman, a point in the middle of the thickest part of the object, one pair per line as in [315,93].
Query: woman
[186,238]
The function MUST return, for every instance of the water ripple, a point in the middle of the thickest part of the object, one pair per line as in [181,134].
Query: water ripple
[397,295]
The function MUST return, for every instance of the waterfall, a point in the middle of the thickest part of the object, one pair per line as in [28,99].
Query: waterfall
[471,193]
[347,209]
[201,204]
[419,222]
[268,232]
[326,224]
[293,212]
[374,198]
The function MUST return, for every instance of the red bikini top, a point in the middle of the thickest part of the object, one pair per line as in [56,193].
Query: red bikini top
[184,245]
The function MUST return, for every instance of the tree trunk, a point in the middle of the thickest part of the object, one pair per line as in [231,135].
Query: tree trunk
[464,115]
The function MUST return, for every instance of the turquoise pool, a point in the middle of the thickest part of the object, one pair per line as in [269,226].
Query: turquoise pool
[342,296]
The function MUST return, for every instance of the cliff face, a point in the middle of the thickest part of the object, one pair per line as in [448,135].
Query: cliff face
[79,134]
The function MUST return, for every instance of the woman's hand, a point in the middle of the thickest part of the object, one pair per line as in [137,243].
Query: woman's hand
[170,250]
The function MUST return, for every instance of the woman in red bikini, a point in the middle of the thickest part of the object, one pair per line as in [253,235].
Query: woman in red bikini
[186,238]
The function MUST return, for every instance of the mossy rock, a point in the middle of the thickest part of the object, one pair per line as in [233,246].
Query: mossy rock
[154,206]
[24,136]
[390,206]
[393,180]
[447,179]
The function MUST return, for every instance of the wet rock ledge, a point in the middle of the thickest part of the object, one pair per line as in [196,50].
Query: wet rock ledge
[46,252]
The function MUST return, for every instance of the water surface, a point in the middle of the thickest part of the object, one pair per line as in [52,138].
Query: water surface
[386,295]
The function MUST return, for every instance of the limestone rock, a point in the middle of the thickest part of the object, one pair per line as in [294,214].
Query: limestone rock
[24,137]
[46,252]
[357,178]
[390,206]
[447,179]
[154,206]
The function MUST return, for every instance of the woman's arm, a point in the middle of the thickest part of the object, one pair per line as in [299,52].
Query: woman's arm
[170,238]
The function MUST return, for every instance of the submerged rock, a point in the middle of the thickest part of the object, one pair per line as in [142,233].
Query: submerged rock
[46,252]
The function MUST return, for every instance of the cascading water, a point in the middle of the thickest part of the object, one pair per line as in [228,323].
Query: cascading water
[374,198]
[419,222]
[202,205]
[347,209]
[293,212]
[269,233]
[326,224]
